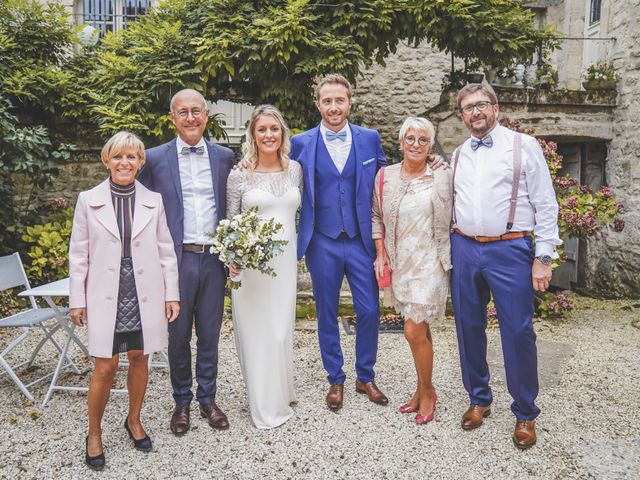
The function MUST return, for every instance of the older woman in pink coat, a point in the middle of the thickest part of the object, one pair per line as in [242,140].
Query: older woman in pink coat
[123,284]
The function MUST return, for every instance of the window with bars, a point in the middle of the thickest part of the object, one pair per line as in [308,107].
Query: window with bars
[594,11]
[112,15]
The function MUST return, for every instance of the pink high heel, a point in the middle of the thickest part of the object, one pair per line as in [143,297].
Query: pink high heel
[408,408]
[422,419]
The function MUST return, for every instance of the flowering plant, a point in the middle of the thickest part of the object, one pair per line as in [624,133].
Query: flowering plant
[247,240]
[600,72]
[582,213]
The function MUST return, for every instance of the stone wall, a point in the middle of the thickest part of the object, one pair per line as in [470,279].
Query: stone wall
[409,84]
[612,264]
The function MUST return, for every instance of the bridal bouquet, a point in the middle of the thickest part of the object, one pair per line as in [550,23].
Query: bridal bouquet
[247,240]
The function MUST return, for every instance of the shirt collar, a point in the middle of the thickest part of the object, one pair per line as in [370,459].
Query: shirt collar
[324,130]
[181,143]
[493,131]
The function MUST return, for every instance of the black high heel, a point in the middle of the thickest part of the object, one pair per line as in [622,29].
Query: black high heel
[94,463]
[144,444]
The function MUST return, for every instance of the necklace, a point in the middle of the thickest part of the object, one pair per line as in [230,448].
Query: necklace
[406,176]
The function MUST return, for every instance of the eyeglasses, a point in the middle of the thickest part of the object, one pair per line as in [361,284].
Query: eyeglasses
[422,141]
[481,106]
[195,113]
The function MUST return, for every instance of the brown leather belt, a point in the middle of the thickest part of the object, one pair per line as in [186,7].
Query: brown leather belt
[195,248]
[504,236]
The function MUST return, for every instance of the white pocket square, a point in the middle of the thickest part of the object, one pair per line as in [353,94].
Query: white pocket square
[367,162]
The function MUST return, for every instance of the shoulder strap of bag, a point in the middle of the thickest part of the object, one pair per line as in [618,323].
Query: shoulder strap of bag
[381,182]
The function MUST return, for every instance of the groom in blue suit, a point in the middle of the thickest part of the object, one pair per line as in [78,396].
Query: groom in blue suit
[339,162]
[191,174]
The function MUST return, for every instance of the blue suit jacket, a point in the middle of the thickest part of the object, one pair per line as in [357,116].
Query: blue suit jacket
[369,158]
[161,174]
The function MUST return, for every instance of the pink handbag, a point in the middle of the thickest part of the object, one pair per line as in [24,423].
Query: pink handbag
[384,281]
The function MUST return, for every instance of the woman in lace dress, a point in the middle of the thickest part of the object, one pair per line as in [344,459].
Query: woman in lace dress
[416,213]
[264,307]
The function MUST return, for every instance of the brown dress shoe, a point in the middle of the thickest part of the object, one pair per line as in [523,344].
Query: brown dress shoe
[372,391]
[524,435]
[216,417]
[180,420]
[335,396]
[474,416]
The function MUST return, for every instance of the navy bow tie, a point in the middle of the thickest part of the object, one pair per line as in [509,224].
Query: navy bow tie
[331,136]
[486,141]
[187,150]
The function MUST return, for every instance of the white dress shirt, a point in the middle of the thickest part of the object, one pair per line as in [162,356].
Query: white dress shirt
[198,199]
[483,191]
[338,150]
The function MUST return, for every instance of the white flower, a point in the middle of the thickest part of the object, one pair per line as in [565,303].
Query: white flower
[249,241]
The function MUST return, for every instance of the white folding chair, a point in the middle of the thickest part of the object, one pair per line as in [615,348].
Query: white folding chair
[12,275]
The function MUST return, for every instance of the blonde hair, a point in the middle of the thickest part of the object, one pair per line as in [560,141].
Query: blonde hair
[249,147]
[333,78]
[417,123]
[120,142]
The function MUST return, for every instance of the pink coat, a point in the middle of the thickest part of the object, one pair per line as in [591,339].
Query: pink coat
[94,266]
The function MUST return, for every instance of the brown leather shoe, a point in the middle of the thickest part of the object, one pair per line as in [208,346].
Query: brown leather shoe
[524,435]
[216,417]
[335,396]
[180,420]
[372,391]
[474,416]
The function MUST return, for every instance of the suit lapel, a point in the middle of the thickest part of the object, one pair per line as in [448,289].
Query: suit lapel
[171,155]
[103,205]
[355,145]
[143,209]
[309,160]
[215,176]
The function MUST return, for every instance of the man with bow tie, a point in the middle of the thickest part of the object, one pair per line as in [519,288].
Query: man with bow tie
[503,199]
[191,174]
[339,162]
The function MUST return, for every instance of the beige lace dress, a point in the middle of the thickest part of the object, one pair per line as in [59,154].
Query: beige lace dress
[416,213]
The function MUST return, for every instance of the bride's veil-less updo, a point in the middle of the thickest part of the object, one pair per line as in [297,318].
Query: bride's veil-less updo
[249,147]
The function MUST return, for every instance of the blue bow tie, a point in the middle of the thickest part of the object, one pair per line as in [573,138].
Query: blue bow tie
[331,136]
[486,141]
[187,150]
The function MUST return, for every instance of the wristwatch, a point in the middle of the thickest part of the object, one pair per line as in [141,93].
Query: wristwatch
[544,259]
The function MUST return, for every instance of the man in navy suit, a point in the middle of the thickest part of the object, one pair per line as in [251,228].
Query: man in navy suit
[339,162]
[191,174]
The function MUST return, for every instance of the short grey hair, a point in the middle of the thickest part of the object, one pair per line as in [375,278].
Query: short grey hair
[187,90]
[484,88]
[417,123]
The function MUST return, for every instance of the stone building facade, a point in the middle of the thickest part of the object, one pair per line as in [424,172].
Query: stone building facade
[595,132]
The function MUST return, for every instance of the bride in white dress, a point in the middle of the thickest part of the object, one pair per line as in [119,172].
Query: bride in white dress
[264,307]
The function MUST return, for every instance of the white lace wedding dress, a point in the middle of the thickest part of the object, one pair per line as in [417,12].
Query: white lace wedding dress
[264,307]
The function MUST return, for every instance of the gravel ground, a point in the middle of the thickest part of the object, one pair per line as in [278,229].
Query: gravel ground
[588,427]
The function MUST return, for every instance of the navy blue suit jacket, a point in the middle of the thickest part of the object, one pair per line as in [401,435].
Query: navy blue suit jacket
[369,158]
[161,174]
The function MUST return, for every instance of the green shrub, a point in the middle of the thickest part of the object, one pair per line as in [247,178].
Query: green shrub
[49,247]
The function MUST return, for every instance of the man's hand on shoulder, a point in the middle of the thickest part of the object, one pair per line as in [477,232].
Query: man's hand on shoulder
[436,162]
[243,164]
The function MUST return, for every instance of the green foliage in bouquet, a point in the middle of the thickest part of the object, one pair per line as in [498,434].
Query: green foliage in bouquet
[248,241]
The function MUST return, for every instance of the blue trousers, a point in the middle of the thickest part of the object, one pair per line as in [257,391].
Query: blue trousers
[202,280]
[328,261]
[503,270]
